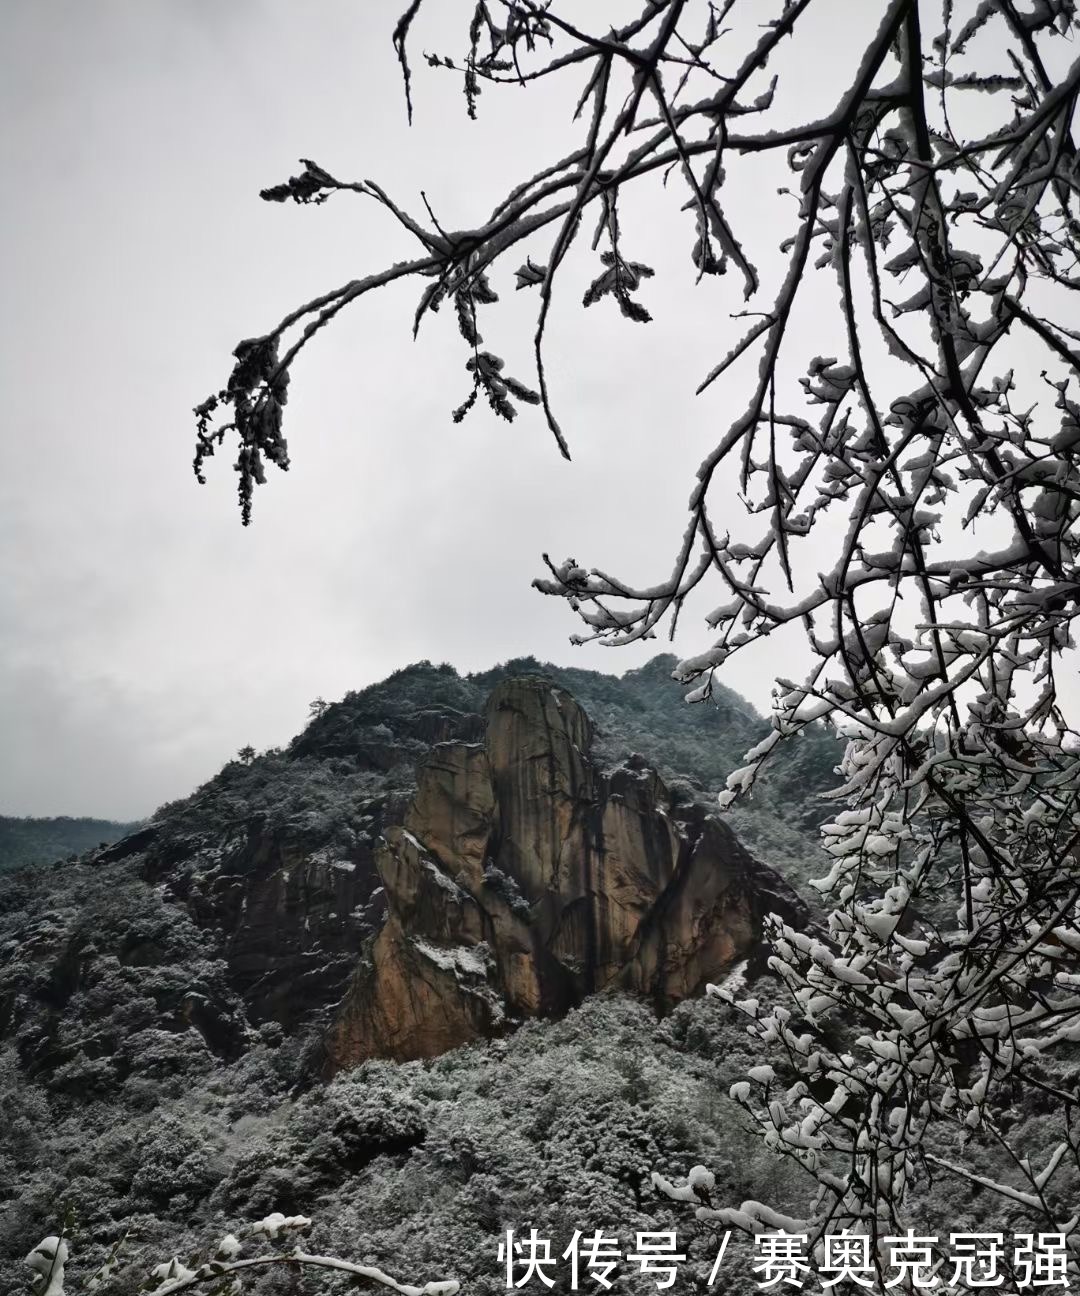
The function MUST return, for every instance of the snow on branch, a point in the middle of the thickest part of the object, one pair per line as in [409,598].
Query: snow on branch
[911,505]
[223,1270]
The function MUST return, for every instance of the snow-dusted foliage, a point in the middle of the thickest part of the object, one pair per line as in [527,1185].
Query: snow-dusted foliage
[414,1170]
[911,493]
[47,1261]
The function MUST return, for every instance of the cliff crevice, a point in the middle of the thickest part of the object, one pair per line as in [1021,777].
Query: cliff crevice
[524,877]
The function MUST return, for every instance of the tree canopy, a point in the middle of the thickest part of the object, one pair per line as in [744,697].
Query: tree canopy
[911,502]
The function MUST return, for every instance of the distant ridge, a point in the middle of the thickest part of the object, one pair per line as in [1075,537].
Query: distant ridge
[25,842]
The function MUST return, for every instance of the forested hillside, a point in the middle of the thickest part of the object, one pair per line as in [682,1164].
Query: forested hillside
[165,1002]
[40,841]
[694,746]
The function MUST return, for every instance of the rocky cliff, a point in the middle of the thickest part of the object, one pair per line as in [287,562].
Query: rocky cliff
[431,861]
[523,877]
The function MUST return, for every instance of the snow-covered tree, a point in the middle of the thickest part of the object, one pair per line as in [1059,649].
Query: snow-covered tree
[911,498]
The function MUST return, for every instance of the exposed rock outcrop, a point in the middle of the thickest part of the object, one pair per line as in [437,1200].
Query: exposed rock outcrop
[429,862]
[524,877]
[289,919]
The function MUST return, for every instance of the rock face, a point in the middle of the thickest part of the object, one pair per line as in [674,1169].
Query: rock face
[287,918]
[524,878]
[427,863]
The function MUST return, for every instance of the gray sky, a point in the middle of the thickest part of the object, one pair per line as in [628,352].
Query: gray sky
[144,634]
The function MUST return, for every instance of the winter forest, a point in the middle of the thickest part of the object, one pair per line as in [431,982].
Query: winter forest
[531,976]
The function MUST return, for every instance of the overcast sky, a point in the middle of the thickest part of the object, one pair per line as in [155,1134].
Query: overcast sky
[144,634]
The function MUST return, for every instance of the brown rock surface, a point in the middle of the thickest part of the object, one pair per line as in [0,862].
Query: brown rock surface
[454,807]
[525,878]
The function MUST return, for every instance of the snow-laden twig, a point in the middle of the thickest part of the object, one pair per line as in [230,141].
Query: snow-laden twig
[950,863]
